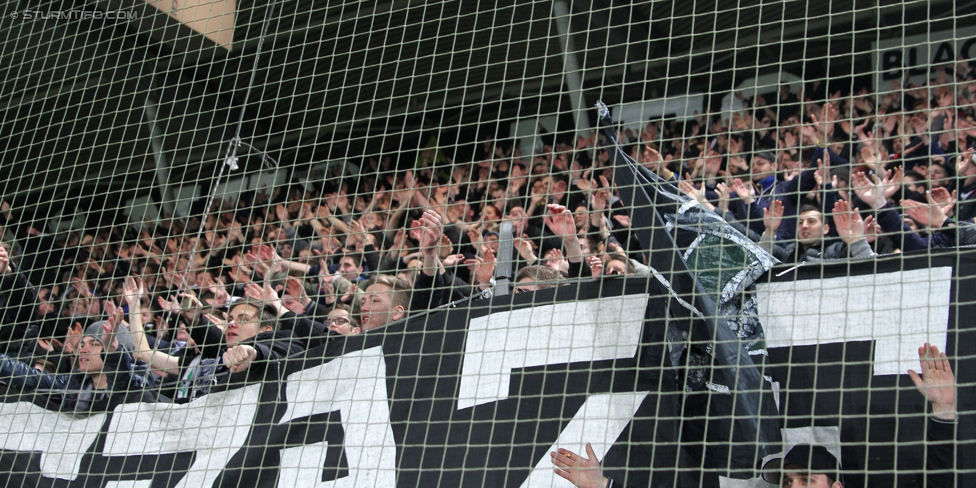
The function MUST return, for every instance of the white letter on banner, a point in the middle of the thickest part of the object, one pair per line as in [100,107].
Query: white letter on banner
[61,439]
[900,311]
[599,421]
[129,484]
[568,332]
[214,426]
[355,385]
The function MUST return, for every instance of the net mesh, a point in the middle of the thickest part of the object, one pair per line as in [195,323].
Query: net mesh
[536,243]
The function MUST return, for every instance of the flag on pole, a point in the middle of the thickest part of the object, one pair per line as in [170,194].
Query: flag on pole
[716,338]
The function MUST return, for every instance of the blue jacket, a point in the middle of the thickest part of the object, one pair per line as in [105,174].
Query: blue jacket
[789,193]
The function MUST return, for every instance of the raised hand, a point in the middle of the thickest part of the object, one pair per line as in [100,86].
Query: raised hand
[848,221]
[599,200]
[270,258]
[892,182]
[250,259]
[929,214]
[82,286]
[235,233]
[789,139]
[872,230]
[653,155]
[172,305]
[818,176]
[735,145]
[724,195]
[773,217]
[133,289]
[191,297]
[560,220]
[221,297]
[399,240]
[744,191]
[218,321]
[356,235]
[295,289]
[556,261]
[525,248]
[113,312]
[430,232]
[47,344]
[596,266]
[416,230]
[484,266]
[473,231]
[583,472]
[307,213]
[688,188]
[109,338]
[827,115]
[73,337]
[945,200]
[869,191]
[257,292]
[240,274]
[964,162]
[327,282]
[868,156]
[4,260]
[936,382]
[452,260]
[622,220]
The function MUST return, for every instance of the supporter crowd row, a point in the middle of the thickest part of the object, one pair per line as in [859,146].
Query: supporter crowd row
[165,307]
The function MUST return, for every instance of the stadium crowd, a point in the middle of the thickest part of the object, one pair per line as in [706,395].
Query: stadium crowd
[163,309]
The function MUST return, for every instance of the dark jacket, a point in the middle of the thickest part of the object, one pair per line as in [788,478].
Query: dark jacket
[951,235]
[308,332]
[788,192]
[18,302]
[73,392]
[794,252]
[202,367]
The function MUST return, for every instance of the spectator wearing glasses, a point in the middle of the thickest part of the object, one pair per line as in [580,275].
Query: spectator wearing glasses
[249,339]
[341,321]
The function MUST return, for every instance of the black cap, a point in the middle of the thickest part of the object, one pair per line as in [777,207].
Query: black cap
[767,155]
[807,458]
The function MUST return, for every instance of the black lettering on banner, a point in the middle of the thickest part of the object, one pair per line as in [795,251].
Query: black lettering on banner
[967,46]
[891,65]
[944,54]
[912,64]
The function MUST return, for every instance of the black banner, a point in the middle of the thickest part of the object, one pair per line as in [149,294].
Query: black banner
[478,395]
[836,382]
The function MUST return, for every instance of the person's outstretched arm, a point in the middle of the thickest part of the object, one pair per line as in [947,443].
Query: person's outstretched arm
[582,472]
[133,288]
[937,384]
